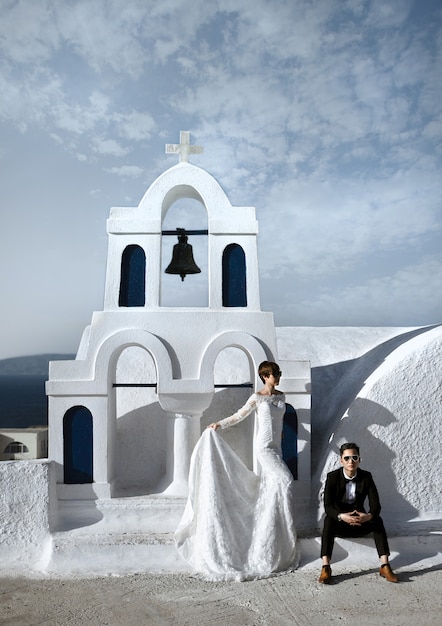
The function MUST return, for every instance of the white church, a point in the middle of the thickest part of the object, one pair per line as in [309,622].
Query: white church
[125,415]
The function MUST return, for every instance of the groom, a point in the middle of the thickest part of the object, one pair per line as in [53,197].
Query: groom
[345,492]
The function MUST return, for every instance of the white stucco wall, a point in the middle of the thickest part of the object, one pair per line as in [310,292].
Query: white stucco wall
[396,418]
[28,508]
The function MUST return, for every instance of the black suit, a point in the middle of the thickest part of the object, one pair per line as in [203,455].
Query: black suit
[334,503]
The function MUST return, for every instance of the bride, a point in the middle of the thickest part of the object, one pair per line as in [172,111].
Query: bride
[238,525]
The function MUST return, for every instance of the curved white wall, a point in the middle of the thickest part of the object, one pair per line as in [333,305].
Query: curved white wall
[396,418]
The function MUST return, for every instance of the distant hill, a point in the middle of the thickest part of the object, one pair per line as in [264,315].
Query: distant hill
[35,365]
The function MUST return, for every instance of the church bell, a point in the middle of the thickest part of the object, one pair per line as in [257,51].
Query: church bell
[182,262]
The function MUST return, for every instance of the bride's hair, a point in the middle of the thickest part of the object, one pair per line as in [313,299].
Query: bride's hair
[266,368]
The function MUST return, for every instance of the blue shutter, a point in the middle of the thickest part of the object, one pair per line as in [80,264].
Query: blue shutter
[290,440]
[234,276]
[78,446]
[133,277]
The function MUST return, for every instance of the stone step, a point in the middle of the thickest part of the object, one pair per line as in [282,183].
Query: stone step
[117,553]
[142,514]
[115,536]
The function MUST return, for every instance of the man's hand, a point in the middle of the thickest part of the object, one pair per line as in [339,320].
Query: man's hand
[351,518]
[356,518]
[363,517]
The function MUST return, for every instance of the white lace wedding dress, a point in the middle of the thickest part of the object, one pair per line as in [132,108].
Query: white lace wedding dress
[238,525]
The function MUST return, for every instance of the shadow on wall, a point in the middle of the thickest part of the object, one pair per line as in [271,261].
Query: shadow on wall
[140,450]
[376,456]
[336,386]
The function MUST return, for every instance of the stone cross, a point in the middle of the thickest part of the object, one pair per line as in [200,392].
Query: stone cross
[183,148]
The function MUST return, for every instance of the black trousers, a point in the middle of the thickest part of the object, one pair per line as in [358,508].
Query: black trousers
[333,528]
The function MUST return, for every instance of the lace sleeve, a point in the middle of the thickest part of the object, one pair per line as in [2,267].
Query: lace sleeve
[241,414]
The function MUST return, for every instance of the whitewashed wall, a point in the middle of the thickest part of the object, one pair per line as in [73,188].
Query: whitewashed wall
[28,506]
[396,417]
[382,389]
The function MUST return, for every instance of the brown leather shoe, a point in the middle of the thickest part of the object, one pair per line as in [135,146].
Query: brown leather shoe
[325,576]
[387,573]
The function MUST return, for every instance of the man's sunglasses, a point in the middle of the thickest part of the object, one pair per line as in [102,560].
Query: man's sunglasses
[354,457]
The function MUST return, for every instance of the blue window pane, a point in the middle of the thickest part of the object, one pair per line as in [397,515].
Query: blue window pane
[290,440]
[77,443]
[234,276]
[133,277]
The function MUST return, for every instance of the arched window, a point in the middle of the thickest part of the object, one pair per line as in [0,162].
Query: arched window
[16,447]
[78,446]
[133,277]
[234,276]
[289,443]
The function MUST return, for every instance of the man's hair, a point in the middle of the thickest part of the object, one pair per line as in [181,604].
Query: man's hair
[348,446]
[266,368]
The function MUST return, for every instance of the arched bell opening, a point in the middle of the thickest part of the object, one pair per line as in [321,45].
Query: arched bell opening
[189,214]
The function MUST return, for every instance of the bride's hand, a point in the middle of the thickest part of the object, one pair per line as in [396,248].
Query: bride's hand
[214,425]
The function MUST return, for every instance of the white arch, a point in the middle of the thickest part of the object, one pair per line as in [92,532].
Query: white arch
[112,347]
[184,181]
[253,348]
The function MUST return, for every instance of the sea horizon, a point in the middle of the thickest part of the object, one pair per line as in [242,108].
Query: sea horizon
[23,401]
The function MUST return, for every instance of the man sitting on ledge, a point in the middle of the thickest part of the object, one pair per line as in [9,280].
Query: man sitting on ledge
[345,492]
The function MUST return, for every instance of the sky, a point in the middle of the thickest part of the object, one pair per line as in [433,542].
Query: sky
[325,115]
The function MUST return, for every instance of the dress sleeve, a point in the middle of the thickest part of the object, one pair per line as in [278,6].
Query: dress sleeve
[241,414]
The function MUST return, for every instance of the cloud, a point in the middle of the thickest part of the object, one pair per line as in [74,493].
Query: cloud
[109,147]
[29,100]
[384,14]
[135,126]
[126,171]
[28,31]
[414,290]
[105,34]
[333,225]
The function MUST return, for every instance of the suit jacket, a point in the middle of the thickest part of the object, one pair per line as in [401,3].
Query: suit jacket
[334,494]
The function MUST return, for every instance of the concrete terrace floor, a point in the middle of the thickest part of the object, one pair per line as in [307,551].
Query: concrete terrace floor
[358,594]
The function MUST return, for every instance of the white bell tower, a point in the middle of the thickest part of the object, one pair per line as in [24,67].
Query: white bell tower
[144,373]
